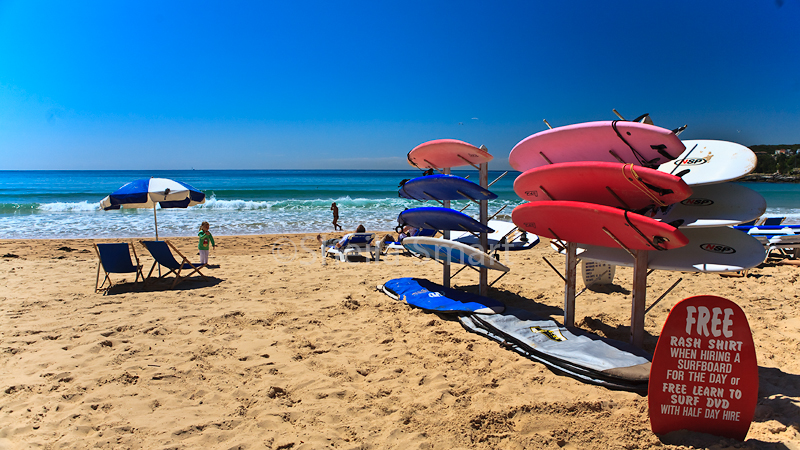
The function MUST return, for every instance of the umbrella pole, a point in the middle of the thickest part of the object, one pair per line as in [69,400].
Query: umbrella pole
[155,219]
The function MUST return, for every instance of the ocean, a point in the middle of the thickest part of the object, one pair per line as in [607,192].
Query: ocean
[65,204]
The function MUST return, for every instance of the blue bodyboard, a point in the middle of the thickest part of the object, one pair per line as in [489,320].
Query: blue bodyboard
[436,218]
[433,297]
[444,187]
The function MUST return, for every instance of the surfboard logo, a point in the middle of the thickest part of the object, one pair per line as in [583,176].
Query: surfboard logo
[718,248]
[532,193]
[551,333]
[697,202]
[693,161]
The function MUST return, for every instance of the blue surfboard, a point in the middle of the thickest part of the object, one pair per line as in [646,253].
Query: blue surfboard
[769,231]
[788,228]
[436,218]
[444,187]
[433,297]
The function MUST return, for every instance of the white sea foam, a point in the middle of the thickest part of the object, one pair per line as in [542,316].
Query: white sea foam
[70,207]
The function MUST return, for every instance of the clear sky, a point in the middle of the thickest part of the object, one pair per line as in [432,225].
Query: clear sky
[345,84]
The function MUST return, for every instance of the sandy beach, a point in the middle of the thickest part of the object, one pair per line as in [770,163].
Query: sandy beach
[277,351]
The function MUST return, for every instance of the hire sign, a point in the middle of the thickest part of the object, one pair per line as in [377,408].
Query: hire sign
[704,375]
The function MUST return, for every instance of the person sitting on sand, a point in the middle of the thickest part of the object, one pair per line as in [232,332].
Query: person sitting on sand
[337,242]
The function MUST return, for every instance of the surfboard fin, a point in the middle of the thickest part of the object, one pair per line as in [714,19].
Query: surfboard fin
[682,173]
[644,118]
[679,130]
[661,149]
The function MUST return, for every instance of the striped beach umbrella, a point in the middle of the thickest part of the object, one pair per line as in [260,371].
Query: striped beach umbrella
[149,192]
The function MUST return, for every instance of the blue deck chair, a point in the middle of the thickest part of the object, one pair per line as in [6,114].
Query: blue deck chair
[773,221]
[352,244]
[115,258]
[162,251]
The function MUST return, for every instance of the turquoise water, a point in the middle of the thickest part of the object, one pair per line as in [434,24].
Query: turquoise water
[65,204]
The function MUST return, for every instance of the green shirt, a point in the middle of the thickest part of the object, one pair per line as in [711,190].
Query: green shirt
[205,239]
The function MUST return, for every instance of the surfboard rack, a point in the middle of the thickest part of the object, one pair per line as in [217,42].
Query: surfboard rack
[669,289]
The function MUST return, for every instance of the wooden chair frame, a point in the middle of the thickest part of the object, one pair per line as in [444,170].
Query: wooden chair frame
[99,286]
[182,261]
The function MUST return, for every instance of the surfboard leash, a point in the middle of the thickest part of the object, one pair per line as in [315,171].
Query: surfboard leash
[655,242]
[649,190]
[639,157]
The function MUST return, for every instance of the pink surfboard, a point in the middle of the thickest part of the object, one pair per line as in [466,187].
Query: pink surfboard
[604,183]
[588,223]
[445,153]
[611,141]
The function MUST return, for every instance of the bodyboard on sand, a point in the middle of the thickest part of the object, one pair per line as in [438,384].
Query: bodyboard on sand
[433,297]
[576,353]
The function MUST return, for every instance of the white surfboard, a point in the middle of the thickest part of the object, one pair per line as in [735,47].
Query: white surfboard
[719,249]
[597,273]
[455,252]
[714,205]
[709,162]
[502,229]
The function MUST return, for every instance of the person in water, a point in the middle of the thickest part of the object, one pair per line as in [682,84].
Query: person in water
[335,210]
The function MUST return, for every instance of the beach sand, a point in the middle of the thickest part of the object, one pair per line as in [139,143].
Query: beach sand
[277,351]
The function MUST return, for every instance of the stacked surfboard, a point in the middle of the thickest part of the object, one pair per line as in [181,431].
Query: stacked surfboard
[617,187]
[444,154]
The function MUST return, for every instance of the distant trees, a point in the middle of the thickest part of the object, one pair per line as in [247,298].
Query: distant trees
[768,162]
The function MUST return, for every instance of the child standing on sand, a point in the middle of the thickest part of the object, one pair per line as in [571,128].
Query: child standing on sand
[205,239]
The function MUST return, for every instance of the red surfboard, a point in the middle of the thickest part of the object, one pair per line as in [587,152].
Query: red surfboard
[588,223]
[604,183]
[445,153]
[611,141]
[704,375]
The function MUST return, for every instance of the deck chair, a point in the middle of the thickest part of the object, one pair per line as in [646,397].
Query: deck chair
[115,258]
[162,253]
[352,244]
[773,221]
[787,245]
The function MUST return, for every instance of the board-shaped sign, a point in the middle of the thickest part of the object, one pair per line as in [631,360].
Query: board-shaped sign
[704,375]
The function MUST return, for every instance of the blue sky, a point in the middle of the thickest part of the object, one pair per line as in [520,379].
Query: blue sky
[323,85]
